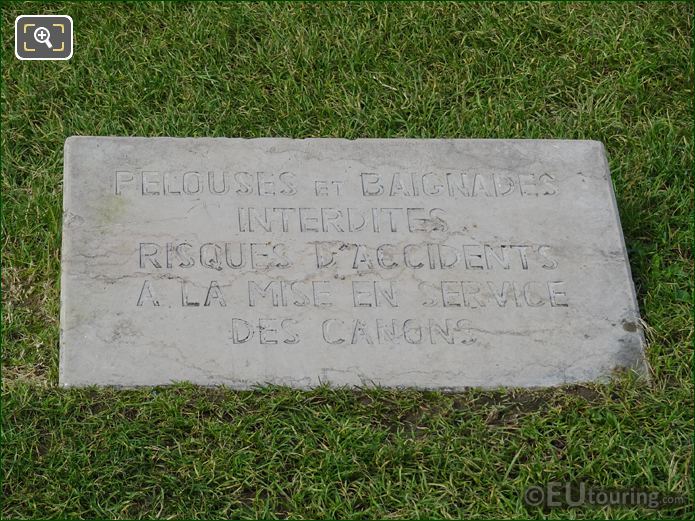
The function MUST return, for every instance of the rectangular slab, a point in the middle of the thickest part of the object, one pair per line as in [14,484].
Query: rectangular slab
[437,264]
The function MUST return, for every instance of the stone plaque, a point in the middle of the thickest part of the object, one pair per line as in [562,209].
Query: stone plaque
[437,264]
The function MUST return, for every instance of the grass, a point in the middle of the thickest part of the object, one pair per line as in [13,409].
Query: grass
[621,73]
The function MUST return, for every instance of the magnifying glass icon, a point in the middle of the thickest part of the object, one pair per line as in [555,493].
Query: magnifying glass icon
[42,35]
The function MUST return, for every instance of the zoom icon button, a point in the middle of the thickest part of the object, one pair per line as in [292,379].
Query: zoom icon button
[43,37]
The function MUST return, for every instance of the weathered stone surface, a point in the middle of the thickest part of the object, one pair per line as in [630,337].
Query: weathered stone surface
[425,263]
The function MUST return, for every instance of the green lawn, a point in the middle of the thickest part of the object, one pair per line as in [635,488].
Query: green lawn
[621,73]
